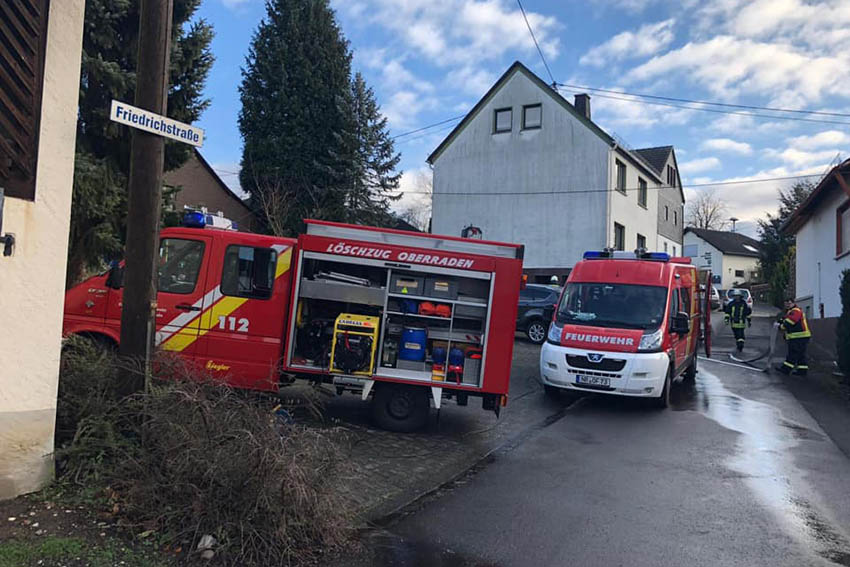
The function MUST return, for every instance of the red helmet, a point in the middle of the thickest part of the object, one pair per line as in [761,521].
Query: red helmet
[427,308]
[443,310]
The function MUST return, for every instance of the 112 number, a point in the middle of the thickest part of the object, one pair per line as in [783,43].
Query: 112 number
[230,323]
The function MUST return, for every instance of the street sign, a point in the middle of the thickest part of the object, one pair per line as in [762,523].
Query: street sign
[124,113]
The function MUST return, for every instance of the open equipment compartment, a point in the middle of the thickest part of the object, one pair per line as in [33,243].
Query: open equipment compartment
[445,309]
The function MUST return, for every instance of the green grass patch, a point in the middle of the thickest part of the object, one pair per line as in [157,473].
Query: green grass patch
[71,551]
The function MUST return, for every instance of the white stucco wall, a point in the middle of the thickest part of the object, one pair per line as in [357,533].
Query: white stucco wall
[732,264]
[700,261]
[564,155]
[673,248]
[32,281]
[625,209]
[818,270]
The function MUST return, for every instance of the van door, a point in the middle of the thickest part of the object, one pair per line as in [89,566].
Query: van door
[182,268]
[243,321]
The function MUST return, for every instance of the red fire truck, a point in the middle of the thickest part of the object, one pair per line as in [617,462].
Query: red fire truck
[628,324]
[402,316]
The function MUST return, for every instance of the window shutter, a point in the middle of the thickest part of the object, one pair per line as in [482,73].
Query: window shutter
[23,30]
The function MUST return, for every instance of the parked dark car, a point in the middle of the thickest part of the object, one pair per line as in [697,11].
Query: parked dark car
[536,305]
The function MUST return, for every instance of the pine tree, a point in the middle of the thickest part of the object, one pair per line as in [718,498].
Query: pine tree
[842,332]
[110,46]
[293,121]
[374,180]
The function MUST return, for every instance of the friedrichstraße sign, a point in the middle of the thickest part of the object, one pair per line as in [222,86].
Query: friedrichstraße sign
[156,124]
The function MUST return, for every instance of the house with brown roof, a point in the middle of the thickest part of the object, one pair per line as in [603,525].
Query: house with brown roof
[822,227]
[200,186]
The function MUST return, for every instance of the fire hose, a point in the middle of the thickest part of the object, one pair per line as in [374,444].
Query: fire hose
[774,332]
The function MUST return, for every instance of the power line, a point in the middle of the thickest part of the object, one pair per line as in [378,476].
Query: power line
[719,111]
[537,45]
[428,127]
[580,191]
[424,135]
[726,104]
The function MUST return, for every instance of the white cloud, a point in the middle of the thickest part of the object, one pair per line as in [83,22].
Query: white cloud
[834,138]
[625,112]
[470,80]
[402,107]
[727,145]
[394,75]
[462,32]
[232,4]
[698,165]
[794,158]
[649,39]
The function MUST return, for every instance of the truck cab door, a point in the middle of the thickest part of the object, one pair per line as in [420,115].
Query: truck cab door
[244,317]
[182,266]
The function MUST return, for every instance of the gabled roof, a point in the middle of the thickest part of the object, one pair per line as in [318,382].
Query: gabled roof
[518,67]
[833,179]
[656,157]
[733,243]
[219,181]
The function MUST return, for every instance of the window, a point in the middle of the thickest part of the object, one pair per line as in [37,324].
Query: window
[22,47]
[642,192]
[248,272]
[502,120]
[619,237]
[612,305]
[179,264]
[641,241]
[739,273]
[842,229]
[685,297]
[666,212]
[690,250]
[665,247]
[532,116]
[621,176]
[674,303]
[675,218]
[674,251]
[671,176]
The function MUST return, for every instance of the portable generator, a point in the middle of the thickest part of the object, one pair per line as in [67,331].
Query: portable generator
[354,342]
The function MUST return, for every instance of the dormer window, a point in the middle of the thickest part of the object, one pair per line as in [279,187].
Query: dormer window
[502,120]
[532,116]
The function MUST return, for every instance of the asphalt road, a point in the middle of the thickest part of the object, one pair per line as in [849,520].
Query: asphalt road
[735,473]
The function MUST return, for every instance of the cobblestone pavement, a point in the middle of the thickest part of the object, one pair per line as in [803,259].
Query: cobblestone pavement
[389,470]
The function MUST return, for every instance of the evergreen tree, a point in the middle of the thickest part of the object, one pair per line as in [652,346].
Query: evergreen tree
[842,339]
[110,47]
[775,244]
[294,91]
[373,161]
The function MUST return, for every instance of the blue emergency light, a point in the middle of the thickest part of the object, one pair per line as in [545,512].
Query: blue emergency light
[195,219]
[622,255]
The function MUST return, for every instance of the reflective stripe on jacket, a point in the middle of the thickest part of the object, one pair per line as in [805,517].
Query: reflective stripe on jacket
[738,312]
[795,325]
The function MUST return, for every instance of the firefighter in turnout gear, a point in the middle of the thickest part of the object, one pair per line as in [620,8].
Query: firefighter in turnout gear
[797,335]
[738,315]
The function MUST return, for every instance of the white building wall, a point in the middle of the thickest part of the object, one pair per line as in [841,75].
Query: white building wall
[563,155]
[707,256]
[32,280]
[818,270]
[733,264]
[625,209]
[672,247]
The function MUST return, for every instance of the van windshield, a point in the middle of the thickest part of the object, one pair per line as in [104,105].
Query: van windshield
[622,306]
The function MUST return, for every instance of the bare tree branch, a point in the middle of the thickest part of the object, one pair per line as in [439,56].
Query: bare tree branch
[707,211]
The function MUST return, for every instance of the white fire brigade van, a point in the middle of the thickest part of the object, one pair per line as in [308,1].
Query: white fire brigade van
[627,324]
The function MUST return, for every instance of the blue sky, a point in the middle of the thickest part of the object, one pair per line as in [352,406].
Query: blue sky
[428,61]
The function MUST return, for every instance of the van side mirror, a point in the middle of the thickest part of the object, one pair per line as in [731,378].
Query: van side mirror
[681,324]
[115,279]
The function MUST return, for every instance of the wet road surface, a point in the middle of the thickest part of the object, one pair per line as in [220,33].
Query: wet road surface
[736,473]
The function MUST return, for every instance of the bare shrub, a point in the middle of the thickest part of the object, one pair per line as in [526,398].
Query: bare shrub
[191,457]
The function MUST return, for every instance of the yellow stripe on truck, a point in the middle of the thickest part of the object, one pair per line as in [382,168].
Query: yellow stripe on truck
[181,340]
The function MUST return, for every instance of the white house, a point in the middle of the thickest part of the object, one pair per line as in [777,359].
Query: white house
[36,173]
[732,257]
[527,166]
[822,226]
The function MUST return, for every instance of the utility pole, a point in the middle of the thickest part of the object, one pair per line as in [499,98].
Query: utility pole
[144,194]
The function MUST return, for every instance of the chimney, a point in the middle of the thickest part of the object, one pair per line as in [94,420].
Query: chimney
[582,104]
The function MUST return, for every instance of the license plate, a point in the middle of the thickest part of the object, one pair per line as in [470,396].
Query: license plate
[593,380]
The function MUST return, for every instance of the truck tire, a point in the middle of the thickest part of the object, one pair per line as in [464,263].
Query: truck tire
[536,331]
[400,408]
[663,401]
[690,373]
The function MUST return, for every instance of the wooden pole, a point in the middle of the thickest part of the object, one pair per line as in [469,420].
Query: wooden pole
[144,193]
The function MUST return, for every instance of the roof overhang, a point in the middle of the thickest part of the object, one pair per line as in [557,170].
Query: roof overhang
[834,179]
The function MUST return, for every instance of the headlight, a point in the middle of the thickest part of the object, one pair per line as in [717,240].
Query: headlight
[651,342]
[554,334]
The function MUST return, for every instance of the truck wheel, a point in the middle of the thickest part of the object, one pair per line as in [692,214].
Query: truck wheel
[536,331]
[400,408]
[690,373]
[662,401]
